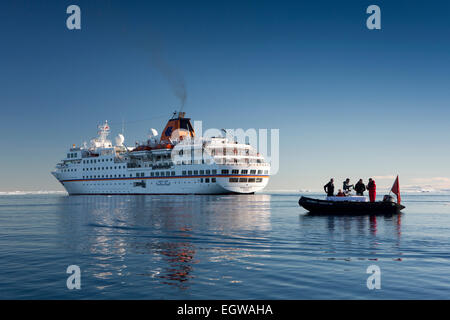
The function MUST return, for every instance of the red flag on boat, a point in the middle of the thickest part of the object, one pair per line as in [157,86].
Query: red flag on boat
[396,190]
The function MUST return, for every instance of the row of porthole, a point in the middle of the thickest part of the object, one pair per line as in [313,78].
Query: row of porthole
[206,180]
[245,180]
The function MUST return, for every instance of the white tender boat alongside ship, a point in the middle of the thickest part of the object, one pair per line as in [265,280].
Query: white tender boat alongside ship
[176,163]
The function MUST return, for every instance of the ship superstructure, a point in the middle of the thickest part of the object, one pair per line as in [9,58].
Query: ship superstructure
[176,163]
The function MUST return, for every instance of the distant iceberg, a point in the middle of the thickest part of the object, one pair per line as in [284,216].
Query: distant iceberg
[19,193]
[285,191]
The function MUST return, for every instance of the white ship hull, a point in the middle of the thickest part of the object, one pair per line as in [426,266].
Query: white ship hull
[176,184]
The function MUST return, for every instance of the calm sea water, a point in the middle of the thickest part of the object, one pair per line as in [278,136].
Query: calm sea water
[219,247]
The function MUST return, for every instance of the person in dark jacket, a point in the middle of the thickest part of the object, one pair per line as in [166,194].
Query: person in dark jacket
[372,187]
[347,187]
[360,188]
[329,188]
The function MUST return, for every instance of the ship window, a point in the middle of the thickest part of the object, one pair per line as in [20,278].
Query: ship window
[195,172]
[206,180]
[259,171]
[251,180]
[234,180]
[214,172]
[201,179]
[242,179]
[213,179]
[202,172]
[266,171]
[224,171]
[234,172]
[208,171]
[258,179]
[190,172]
[173,173]
[244,171]
[184,172]
[157,174]
[252,171]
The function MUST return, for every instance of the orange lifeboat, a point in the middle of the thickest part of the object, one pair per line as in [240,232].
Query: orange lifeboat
[142,148]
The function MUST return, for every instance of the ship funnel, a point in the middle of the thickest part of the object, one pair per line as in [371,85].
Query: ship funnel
[180,127]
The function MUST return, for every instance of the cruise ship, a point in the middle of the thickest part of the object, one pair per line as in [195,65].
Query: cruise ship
[176,162]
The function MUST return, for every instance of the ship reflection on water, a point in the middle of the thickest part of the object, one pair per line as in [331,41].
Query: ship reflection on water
[161,238]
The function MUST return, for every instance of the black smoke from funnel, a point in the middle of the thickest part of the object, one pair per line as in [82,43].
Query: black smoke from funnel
[174,76]
[150,42]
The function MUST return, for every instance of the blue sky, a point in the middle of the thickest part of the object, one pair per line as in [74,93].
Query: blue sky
[348,101]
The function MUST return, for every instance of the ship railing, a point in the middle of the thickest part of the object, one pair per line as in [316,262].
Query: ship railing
[162,166]
[249,164]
